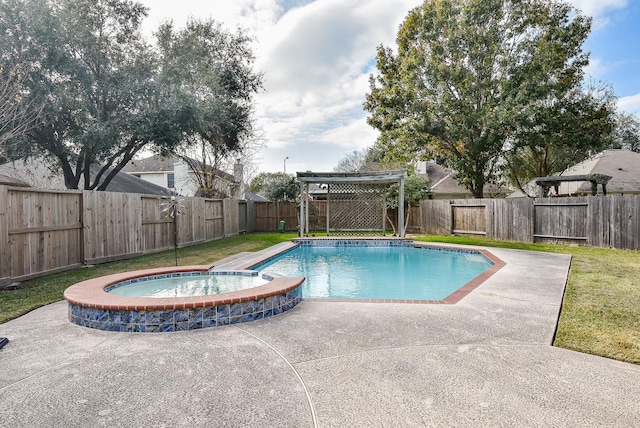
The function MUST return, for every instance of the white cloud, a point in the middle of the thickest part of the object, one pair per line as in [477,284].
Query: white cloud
[316,71]
[353,135]
[254,15]
[630,104]
[597,8]
[316,57]
[596,68]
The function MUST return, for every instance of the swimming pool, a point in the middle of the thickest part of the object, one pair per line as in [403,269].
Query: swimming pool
[372,270]
[91,305]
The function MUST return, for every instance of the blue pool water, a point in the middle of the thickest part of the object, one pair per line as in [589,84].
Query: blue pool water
[391,272]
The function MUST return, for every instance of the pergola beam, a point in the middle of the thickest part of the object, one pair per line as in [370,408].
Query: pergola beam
[555,181]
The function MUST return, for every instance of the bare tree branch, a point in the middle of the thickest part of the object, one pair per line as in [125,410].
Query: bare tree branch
[17,115]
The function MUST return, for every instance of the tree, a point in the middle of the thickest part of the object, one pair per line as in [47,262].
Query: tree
[555,138]
[275,186]
[88,64]
[416,189]
[468,75]
[17,115]
[215,68]
[626,134]
[353,161]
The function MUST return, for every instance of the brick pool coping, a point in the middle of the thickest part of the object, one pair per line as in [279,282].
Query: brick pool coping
[91,293]
[463,291]
[89,305]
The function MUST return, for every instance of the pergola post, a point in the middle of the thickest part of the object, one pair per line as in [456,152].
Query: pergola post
[401,209]
[327,209]
[384,215]
[303,198]
[306,221]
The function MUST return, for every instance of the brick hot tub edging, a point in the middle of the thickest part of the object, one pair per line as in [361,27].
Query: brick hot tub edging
[91,306]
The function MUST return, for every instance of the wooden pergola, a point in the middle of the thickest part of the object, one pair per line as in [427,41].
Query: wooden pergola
[329,178]
[554,181]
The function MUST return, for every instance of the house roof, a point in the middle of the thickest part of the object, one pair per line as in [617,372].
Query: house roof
[442,182]
[6,180]
[621,164]
[126,183]
[154,163]
[250,196]
[36,173]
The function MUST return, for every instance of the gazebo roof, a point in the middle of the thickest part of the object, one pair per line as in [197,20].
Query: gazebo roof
[368,177]
[555,179]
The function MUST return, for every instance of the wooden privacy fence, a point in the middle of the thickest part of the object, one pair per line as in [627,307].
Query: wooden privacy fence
[600,221]
[268,215]
[47,231]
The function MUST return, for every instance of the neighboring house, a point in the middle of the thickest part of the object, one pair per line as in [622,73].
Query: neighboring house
[6,180]
[620,164]
[174,173]
[444,186]
[35,172]
[250,196]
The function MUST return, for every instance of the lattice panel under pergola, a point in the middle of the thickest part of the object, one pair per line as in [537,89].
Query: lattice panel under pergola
[355,203]
[356,209]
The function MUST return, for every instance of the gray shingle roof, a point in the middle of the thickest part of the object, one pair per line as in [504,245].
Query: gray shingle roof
[35,173]
[621,164]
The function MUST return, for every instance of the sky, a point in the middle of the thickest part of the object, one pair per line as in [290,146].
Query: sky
[317,55]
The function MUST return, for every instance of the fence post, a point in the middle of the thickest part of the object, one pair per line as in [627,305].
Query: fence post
[5,256]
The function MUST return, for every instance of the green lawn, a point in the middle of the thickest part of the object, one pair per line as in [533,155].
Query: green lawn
[600,313]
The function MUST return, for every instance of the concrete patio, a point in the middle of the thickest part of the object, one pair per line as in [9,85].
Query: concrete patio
[486,361]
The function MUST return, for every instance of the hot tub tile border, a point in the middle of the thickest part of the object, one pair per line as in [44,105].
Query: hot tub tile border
[91,306]
[151,321]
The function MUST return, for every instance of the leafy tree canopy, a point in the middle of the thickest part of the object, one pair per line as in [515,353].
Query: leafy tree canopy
[88,65]
[472,77]
[626,133]
[215,69]
[555,138]
[17,115]
[275,186]
[107,93]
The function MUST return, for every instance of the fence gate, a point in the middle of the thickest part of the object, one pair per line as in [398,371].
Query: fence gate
[468,219]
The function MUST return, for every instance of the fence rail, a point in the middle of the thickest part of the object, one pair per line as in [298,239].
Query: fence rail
[42,232]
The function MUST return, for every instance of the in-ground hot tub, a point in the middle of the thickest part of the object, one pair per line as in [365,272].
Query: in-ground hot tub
[91,305]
